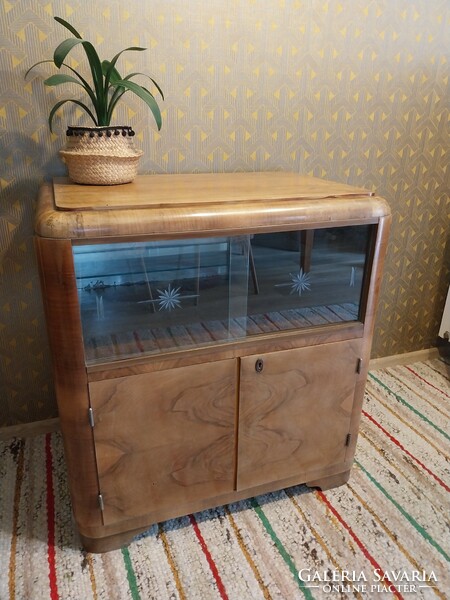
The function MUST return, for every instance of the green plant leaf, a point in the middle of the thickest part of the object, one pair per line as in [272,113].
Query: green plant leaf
[130,48]
[114,74]
[61,78]
[118,93]
[63,49]
[104,77]
[41,62]
[101,104]
[111,73]
[68,26]
[157,87]
[148,77]
[144,95]
[98,98]
[61,102]
[84,83]
[116,96]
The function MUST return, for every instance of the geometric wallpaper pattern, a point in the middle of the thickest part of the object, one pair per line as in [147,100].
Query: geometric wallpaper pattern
[348,90]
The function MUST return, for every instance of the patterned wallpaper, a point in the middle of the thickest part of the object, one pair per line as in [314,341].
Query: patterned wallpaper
[355,91]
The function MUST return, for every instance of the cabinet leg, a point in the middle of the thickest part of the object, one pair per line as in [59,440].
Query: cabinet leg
[108,543]
[327,483]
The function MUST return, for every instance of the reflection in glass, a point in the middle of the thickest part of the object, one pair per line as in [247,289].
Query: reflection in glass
[160,296]
[311,277]
[150,297]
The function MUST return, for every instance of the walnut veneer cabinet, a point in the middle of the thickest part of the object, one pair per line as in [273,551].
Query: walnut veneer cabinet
[210,337]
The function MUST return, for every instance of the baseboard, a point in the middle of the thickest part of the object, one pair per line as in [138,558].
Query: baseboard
[29,429]
[403,359]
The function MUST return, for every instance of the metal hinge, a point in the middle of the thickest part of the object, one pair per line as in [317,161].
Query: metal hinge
[101,503]
[91,417]
[347,439]
[359,365]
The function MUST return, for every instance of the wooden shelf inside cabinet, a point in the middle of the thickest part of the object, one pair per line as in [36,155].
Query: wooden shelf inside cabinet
[200,323]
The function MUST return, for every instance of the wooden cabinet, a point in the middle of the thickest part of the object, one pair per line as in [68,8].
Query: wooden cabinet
[294,411]
[210,337]
[164,439]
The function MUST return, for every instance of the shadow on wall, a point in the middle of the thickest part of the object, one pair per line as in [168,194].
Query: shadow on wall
[25,371]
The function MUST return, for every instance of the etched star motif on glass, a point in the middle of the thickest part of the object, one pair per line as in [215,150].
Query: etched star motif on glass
[301,282]
[168,299]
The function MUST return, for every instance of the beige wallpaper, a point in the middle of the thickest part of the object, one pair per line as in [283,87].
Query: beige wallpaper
[355,91]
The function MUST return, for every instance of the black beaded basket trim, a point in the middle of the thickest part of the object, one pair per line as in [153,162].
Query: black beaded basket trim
[100,131]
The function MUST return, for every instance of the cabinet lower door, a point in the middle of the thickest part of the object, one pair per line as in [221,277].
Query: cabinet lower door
[295,409]
[164,439]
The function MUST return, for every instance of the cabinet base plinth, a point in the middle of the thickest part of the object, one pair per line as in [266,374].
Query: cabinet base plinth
[110,542]
[115,541]
[327,483]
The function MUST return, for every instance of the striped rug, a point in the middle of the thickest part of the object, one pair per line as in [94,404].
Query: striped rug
[384,534]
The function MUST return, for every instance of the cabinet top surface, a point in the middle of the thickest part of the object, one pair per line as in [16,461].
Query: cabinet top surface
[195,204]
[158,191]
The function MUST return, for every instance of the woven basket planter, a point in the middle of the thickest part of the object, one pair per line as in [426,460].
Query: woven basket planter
[101,155]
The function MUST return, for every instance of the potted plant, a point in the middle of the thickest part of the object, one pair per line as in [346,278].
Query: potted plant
[102,154]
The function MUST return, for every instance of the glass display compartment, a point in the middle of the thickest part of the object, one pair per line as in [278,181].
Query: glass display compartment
[151,297]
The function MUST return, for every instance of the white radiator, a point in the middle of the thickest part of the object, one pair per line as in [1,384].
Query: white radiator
[444,331]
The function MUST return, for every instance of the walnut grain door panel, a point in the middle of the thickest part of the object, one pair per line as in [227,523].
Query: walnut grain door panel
[164,439]
[295,410]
